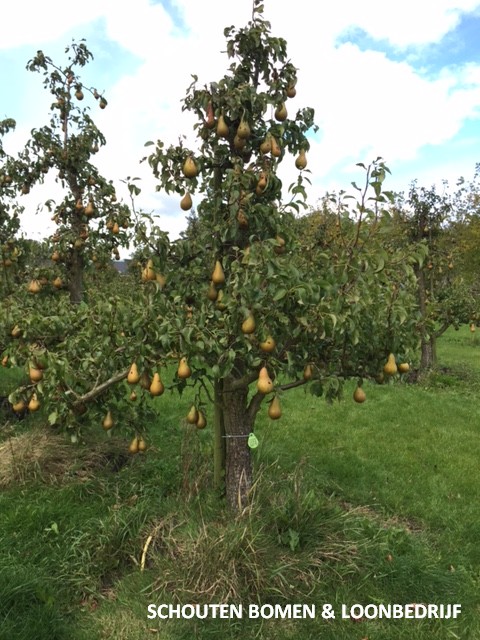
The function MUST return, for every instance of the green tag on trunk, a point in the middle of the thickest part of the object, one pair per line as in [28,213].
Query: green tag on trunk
[252,441]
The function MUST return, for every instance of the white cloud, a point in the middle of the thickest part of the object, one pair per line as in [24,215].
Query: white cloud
[366,104]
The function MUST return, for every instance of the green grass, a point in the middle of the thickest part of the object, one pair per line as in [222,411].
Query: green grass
[354,503]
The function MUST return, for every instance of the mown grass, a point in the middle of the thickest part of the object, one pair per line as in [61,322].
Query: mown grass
[354,503]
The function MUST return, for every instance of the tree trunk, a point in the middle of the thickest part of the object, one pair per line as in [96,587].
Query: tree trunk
[239,472]
[75,277]
[219,438]
[429,353]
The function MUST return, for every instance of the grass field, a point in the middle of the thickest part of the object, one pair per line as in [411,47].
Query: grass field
[373,503]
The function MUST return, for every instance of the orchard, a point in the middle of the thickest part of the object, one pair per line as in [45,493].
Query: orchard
[252,301]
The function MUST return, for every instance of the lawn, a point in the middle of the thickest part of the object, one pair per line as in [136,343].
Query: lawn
[373,503]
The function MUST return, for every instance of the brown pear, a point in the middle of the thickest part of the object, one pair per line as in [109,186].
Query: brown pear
[186,202]
[275,410]
[212,293]
[281,112]
[264,383]
[34,286]
[359,395]
[266,145]
[308,372]
[390,368]
[210,121]
[243,130]
[201,421]
[156,387]
[133,446]
[301,161]
[222,127]
[291,90]
[276,149]
[183,370]
[133,376]
[218,275]
[190,169]
[108,421]
[248,325]
[192,415]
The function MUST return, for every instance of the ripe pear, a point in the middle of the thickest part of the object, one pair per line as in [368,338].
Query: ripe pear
[390,368]
[192,415]
[55,256]
[58,283]
[142,445]
[145,381]
[266,145]
[218,275]
[261,184]
[190,169]
[89,209]
[183,370]
[276,149]
[210,121]
[201,421]
[133,376]
[268,345]
[275,410]
[242,219]
[243,130]
[186,202]
[264,383]
[239,143]
[19,406]
[133,396]
[157,387]
[404,367]
[248,325]
[301,161]
[16,332]
[308,372]
[34,286]
[116,228]
[34,404]
[281,112]
[212,293]
[133,446]
[222,127]
[108,421]
[35,374]
[279,248]
[359,395]
[291,91]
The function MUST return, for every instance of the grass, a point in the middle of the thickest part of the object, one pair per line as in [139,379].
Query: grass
[354,503]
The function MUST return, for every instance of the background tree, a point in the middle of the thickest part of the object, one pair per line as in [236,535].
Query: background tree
[91,224]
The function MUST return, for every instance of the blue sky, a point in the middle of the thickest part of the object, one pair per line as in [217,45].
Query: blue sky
[400,80]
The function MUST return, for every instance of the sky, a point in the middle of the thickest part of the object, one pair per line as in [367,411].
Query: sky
[400,80]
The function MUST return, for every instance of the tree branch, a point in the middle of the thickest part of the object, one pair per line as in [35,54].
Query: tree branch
[99,389]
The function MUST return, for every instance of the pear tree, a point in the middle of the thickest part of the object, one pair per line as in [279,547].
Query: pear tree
[245,319]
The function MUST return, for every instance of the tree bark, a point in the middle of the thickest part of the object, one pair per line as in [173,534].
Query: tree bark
[219,438]
[239,472]
[428,343]
[429,353]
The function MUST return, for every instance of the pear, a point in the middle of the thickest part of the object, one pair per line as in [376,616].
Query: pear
[192,415]
[243,130]
[34,286]
[281,112]
[404,367]
[133,396]
[220,304]
[142,445]
[149,272]
[472,328]
[218,276]
[116,228]
[35,374]
[301,161]
[190,169]
[34,404]
[242,219]
[261,184]
[133,376]
[183,370]
[19,406]
[133,446]
[212,293]
[239,143]
[222,127]
[161,279]
[248,325]
[308,372]
[210,121]
[279,248]
[268,345]
[89,209]
[58,283]
[275,410]
[79,205]
[201,421]
[291,91]
[156,388]
[359,395]
[16,332]
[266,145]
[264,383]
[390,368]
[55,256]
[186,202]
[276,149]
[108,421]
